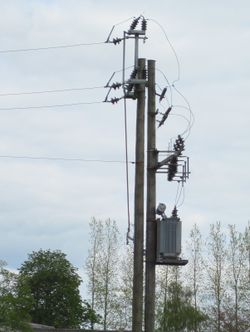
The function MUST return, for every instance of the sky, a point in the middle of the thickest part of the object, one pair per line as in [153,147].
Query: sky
[48,203]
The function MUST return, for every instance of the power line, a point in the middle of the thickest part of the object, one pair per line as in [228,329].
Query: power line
[172,47]
[64,159]
[34,49]
[49,91]
[192,117]
[127,171]
[49,106]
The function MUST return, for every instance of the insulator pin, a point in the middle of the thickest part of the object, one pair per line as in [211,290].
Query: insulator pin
[144,24]
[134,23]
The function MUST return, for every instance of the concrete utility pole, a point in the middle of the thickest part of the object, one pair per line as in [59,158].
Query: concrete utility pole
[151,202]
[139,203]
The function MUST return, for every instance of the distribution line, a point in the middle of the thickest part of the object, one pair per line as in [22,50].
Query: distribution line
[49,91]
[173,49]
[65,159]
[49,106]
[34,49]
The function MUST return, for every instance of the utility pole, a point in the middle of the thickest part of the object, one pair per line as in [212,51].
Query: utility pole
[151,202]
[163,245]
[139,202]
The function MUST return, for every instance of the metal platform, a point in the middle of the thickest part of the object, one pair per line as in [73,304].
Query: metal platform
[176,261]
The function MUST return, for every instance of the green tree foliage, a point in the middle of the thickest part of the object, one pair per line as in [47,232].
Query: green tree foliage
[211,293]
[94,262]
[54,285]
[215,267]
[102,270]
[178,314]
[90,317]
[14,303]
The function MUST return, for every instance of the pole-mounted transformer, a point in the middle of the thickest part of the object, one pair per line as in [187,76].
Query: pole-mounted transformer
[168,248]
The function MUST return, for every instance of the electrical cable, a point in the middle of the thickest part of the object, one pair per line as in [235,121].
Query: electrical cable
[65,159]
[171,46]
[188,130]
[126,140]
[183,197]
[127,170]
[113,27]
[49,91]
[49,106]
[177,194]
[188,125]
[181,116]
[192,117]
[34,49]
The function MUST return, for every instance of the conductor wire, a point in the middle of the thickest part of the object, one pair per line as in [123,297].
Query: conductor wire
[126,138]
[172,47]
[192,117]
[34,49]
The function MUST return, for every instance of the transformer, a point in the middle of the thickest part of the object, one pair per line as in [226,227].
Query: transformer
[169,241]
[169,237]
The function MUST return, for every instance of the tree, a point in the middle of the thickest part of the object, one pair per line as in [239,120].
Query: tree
[13,304]
[125,291]
[107,281]
[102,269]
[54,285]
[90,317]
[178,314]
[163,279]
[236,256]
[215,266]
[94,262]
[195,264]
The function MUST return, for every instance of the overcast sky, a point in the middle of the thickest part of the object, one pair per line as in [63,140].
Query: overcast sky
[49,203]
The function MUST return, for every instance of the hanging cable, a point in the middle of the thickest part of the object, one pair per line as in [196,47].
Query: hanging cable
[34,49]
[183,197]
[126,140]
[113,27]
[48,106]
[192,117]
[177,194]
[189,123]
[127,170]
[49,91]
[66,159]
[171,46]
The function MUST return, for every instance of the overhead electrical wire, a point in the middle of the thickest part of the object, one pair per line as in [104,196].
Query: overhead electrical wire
[188,129]
[64,159]
[126,143]
[49,91]
[49,106]
[127,170]
[183,117]
[34,49]
[177,194]
[183,197]
[45,48]
[192,117]
[113,27]
[172,47]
